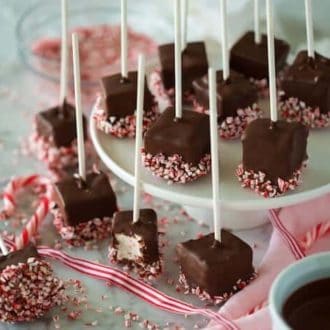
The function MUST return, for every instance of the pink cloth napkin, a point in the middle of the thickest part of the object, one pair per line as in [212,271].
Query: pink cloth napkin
[298,230]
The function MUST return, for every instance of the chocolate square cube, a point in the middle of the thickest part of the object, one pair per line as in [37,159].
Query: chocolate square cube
[276,150]
[136,242]
[233,94]
[194,64]
[83,201]
[188,136]
[19,256]
[308,80]
[120,95]
[251,59]
[58,123]
[215,268]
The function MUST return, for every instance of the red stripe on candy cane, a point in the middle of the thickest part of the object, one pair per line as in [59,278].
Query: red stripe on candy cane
[290,240]
[9,194]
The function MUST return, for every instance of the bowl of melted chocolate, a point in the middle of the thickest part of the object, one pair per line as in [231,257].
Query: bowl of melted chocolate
[300,296]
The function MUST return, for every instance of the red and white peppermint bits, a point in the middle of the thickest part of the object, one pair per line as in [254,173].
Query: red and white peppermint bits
[293,110]
[84,233]
[56,159]
[174,169]
[28,291]
[259,183]
[121,127]
[144,270]
[233,127]
[214,300]
[157,88]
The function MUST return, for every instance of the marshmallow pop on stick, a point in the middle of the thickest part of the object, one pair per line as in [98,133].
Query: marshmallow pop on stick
[249,57]
[194,62]
[54,137]
[115,107]
[85,203]
[305,85]
[236,96]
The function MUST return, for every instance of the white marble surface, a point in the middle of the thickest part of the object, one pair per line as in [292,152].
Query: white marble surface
[20,97]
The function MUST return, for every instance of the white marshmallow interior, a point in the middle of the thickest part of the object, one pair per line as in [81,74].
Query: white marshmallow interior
[129,247]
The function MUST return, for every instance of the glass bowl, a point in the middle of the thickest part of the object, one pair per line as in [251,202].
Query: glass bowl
[43,21]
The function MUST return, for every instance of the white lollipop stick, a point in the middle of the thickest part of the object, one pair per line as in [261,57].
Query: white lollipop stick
[271,61]
[214,154]
[3,247]
[64,52]
[79,114]
[309,28]
[178,60]
[184,12]
[257,34]
[138,137]
[123,35]
[224,39]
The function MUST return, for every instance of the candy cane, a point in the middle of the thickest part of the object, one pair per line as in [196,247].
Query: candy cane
[9,197]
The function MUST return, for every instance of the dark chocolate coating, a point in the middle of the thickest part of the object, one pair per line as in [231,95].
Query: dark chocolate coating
[146,227]
[19,256]
[120,95]
[308,307]
[80,202]
[235,93]
[309,80]
[60,123]
[215,267]
[188,137]
[194,64]
[251,59]
[276,151]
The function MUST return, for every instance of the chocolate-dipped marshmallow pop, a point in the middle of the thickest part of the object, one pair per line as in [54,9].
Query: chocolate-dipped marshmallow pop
[249,55]
[274,151]
[236,96]
[218,264]
[85,203]
[305,85]
[28,287]
[135,233]
[177,145]
[193,61]
[53,140]
[114,109]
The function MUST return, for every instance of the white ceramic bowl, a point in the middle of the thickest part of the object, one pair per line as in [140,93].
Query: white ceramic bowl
[292,278]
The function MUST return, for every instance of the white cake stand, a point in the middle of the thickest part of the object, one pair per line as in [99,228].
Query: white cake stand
[195,197]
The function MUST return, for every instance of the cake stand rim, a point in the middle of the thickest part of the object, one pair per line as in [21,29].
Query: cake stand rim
[186,199]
